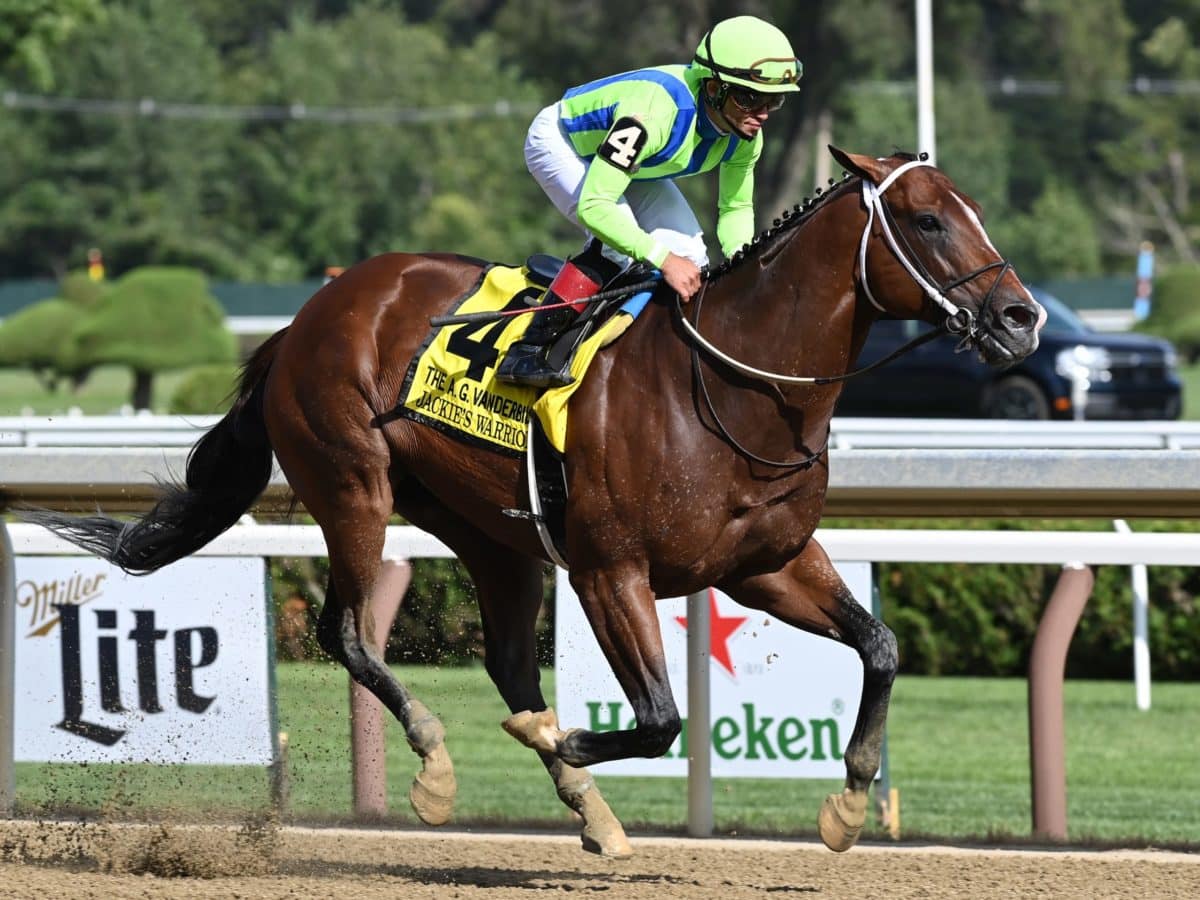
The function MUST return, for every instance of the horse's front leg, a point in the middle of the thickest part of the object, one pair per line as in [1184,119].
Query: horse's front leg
[620,607]
[809,594]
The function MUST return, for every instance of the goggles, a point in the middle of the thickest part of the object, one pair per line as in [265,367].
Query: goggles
[753,101]
[757,71]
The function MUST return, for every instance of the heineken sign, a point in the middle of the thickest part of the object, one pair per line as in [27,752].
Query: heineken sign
[783,702]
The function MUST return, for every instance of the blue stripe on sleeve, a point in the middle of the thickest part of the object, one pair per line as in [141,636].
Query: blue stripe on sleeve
[602,119]
[596,120]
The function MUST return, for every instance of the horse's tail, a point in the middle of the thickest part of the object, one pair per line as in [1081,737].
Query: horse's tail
[226,471]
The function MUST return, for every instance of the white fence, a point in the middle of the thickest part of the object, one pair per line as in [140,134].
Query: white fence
[145,430]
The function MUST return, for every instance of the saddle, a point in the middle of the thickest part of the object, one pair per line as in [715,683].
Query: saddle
[450,385]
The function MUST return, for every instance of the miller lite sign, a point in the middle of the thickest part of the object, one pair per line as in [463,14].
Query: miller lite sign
[783,702]
[171,667]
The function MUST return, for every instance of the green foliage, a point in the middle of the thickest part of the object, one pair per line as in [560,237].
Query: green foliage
[962,619]
[435,99]
[439,621]
[154,319]
[30,30]
[32,338]
[79,288]
[957,619]
[205,390]
[1056,239]
[1185,335]
[1175,310]
[1176,295]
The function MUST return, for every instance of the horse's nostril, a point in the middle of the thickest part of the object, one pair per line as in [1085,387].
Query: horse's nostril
[1019,317]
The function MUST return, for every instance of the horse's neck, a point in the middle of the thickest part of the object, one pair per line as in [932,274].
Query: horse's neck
[794,313]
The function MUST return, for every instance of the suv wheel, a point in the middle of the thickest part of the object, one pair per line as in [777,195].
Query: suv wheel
[1016,397]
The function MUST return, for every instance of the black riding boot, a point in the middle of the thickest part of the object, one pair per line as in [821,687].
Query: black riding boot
[525,362]
[542,358]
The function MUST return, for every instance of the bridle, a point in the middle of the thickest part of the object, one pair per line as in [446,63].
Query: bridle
[958,321]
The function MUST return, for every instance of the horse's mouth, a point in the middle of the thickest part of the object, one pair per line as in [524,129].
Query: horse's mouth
[991,351]
[1004,339]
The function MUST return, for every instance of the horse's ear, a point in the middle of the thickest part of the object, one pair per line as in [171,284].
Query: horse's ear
[863,166]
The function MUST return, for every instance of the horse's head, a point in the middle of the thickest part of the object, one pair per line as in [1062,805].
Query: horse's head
[924,254]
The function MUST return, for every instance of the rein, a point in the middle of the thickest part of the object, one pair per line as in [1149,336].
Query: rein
[959,320]
[804,462]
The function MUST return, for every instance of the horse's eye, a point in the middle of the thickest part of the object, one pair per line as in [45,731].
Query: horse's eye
[929,224]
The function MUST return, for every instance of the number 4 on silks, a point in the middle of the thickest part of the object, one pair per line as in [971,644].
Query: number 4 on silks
[623,143]
[482,351]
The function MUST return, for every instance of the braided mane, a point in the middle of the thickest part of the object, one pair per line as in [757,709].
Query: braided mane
[787,221]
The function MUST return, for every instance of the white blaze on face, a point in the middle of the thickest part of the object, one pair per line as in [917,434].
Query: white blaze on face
[971,217]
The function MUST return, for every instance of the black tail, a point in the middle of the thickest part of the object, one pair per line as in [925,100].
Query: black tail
[226,471]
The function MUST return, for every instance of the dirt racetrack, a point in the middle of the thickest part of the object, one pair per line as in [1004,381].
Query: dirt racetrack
[47,860]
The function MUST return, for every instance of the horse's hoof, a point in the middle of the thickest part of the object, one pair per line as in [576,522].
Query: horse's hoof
[841,819]
[607,840]
[538,730]
[434,788]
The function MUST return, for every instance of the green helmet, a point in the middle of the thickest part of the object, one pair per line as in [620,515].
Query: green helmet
[752,53]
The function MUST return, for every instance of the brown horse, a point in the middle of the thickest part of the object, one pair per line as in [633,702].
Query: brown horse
[686,467]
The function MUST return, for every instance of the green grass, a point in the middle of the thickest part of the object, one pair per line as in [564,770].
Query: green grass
[105,392]
[958,754]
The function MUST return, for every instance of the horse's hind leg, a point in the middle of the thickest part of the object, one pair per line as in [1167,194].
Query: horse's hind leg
[345,631]
[809,594]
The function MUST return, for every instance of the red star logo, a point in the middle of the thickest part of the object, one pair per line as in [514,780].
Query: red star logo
[720,630]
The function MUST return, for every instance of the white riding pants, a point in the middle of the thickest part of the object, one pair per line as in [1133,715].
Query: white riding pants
[657,207]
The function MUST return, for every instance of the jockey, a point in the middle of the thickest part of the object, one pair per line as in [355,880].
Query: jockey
[607,153]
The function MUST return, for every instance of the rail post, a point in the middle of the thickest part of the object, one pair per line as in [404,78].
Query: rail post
[367,747]
[699,725]
[1047,666]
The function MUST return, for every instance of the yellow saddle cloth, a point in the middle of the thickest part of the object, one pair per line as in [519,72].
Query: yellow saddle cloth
[451,384]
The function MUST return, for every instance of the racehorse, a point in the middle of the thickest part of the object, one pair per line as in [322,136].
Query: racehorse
[696,456]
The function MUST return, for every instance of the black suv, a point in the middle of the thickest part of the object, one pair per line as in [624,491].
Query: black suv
[1075,373]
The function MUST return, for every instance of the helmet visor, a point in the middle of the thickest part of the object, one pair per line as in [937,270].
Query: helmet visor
[772,71]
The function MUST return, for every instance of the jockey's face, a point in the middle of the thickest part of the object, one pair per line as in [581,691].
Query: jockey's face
[744,112]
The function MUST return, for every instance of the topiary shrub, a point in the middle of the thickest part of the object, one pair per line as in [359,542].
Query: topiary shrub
[79,288]
[32,338]
[204,390]
[154,319]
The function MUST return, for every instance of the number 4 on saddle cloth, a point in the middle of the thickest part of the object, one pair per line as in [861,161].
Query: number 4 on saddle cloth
[451,384]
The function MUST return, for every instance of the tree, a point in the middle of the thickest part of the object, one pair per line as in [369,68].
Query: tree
[1057,238]
[30,30]
[448,167]
[141,184]
[153,320]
